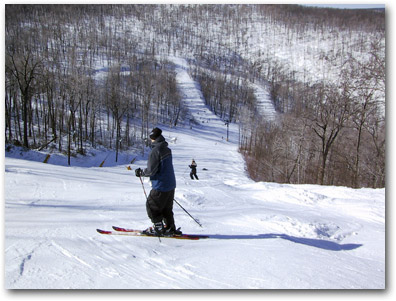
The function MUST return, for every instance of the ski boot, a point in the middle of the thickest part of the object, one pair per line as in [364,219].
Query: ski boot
[172,231]
[157,230]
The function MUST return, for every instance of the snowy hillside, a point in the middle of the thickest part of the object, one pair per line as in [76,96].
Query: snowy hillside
[263,235]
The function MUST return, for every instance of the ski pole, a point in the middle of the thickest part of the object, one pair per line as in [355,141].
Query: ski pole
[185,171]
[144,190]
[188,213]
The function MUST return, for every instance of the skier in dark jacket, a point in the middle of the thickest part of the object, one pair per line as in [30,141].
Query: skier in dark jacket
[193,172]
[159,203]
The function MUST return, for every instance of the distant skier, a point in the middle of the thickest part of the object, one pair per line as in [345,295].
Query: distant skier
[159,204]
[193,172]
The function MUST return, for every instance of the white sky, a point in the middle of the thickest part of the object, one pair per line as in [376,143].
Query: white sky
[348,6]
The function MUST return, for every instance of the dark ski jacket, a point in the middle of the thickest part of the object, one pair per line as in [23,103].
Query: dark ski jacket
[193,167]
[160,166]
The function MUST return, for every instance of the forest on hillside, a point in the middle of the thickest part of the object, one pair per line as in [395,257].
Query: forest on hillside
[88,76]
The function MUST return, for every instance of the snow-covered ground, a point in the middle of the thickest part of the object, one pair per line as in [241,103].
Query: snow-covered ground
[264,235]
[264,102]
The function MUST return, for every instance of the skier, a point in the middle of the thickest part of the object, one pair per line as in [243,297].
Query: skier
[159,204]
[193,172]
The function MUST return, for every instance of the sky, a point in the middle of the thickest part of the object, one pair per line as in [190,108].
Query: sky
[349,6]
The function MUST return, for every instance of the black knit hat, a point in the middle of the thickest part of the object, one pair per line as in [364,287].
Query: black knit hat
[155,133]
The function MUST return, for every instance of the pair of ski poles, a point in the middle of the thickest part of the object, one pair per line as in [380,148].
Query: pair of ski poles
[144,190]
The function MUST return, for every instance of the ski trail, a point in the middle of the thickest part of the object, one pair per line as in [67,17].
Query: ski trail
[192,96]
[265,107]
[209,129]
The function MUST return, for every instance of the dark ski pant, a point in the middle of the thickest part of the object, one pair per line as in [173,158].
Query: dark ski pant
[193,174]
[159,207]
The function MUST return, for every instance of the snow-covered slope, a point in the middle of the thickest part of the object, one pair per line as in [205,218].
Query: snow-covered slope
[265,235]
[265,107]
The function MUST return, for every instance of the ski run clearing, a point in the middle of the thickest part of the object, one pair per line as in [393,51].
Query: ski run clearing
[263,235]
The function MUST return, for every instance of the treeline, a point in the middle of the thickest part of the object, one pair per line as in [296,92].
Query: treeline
[55,91]
[329,133]
[74,110]
[80,76]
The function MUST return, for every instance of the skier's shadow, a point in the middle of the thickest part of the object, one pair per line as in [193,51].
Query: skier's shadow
[317,243]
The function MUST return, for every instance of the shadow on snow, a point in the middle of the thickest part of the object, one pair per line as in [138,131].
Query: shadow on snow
[317,243]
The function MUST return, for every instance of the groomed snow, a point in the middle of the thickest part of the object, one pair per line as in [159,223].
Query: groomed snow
[265,235]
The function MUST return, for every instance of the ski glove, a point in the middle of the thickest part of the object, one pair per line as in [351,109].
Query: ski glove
[139,172]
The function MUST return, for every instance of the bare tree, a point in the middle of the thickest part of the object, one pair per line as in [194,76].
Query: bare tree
[331,113]
[24,67]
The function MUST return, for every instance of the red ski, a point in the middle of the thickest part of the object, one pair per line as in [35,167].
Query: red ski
[133,232]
